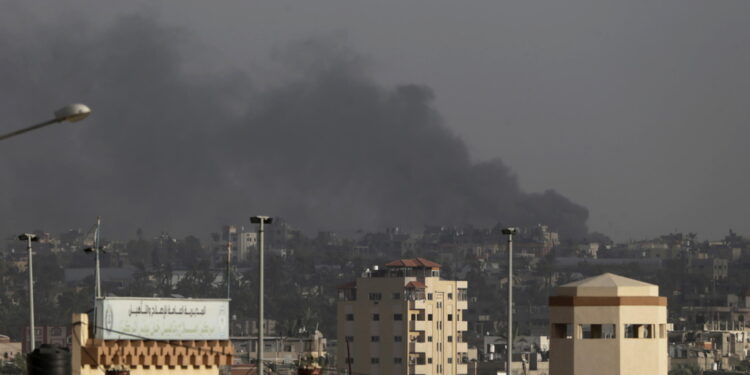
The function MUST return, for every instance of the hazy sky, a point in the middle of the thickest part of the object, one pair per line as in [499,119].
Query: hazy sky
[635,109]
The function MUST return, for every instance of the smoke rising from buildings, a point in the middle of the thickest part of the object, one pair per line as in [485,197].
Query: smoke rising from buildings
[169,148]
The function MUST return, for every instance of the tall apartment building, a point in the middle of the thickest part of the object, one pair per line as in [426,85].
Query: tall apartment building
[608,325]
[403,319]
[243,242]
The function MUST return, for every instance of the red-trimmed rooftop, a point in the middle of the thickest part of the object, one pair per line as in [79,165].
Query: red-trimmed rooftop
[413,263]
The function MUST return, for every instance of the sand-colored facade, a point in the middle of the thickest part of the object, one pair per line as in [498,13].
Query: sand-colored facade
[403,319]
[608,325]
[92,356]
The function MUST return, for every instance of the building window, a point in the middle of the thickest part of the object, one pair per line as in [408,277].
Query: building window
[463,294]
[590,331]
[450,359]
[429,338]
[396,295]
[429,296]
[631,331]
[439,305]
[375,296]
[398,338]
[450,295]
[450,339]
[439,346]
[429,360]
[429,317]
[562,331]
[375,360]
[397,361]
[348,338]
[349,317]
[439,325]
[413,316]
[639,331]
[374,338]
[450,317]
[398,317]
[376,317]
[597,331]
[648,331]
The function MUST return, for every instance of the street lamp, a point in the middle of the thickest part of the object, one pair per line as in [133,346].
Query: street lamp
[509,354]
[260,220]
[70,113]
[29,238]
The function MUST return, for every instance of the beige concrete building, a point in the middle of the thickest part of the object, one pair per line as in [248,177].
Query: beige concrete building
[8,350]
[403,319]
[280,350]
[92,356]
[608,324]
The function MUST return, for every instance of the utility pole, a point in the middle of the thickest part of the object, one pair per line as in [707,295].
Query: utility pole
[96,248]
[29,238]
[98,275]
[229,264]
[509,348]
[261,220]
[349,356]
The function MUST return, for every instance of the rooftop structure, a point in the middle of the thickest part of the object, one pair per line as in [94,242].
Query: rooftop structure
[608,324]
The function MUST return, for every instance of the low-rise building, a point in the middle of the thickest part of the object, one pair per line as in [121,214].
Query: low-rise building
[151,336]
[8,350]
[279,349]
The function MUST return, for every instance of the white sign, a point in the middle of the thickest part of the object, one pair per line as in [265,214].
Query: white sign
[129,318]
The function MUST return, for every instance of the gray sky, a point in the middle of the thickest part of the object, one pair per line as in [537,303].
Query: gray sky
[635,109]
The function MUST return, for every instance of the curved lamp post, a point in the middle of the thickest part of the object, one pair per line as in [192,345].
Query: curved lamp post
[70,113]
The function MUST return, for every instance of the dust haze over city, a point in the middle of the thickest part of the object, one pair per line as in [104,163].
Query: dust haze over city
[613,134]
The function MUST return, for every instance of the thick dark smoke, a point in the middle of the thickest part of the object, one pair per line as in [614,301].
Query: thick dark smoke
[326,147]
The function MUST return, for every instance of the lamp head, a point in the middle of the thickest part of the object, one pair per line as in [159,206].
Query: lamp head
[510,231]
[73,112]
[28,236]
[259,219]
[93,250]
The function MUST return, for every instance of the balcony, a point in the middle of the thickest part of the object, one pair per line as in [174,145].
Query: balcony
[462,326]
[418,325]
[417,304]
[419,369]
[462,368]
[462,347]
[418,347]
[462,305]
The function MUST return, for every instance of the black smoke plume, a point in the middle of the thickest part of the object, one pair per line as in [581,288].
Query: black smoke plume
[167,148]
